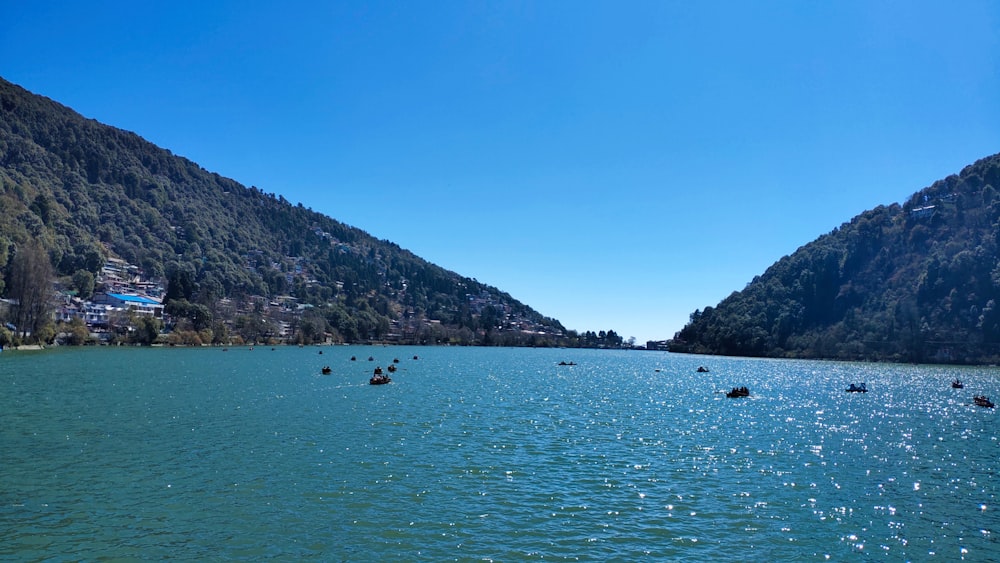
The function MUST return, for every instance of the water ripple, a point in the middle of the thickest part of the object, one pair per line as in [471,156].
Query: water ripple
[490,454]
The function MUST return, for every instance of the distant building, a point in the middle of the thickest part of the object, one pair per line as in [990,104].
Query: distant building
[92,314]
[96,316]
[662,345]
[138,303]
[923,212]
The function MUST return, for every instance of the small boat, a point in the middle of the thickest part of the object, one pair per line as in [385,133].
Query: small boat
[395,360]
[957,384]
[857,388]
[567,363]
[326,370]
[354,358]
[983,401]
[415,358]
[702,369]
[391,368]
[738,392]
[379,378]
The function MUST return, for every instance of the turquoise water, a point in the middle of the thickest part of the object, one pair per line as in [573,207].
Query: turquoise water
[490,454]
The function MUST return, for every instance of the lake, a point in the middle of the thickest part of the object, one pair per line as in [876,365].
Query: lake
[490,454]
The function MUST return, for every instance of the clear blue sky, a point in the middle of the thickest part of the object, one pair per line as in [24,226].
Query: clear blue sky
[615,165]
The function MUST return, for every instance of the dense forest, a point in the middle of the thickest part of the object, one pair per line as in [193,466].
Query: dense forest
[85,191]
[918,282]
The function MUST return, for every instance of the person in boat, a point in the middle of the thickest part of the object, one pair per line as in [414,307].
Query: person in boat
[739,392]
[378,371]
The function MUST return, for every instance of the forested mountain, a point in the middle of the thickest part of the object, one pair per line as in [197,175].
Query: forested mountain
[87,191]
[918,282]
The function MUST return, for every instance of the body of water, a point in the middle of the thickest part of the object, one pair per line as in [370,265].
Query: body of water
[490,454]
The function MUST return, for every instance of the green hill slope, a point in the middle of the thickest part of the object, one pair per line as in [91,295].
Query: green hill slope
[918,282]
[86,191]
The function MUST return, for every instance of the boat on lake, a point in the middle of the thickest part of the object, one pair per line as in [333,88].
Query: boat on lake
[956,384]
[326,370]
[857,388]
[983,401]
[738,392]
[379,378]
[702,369]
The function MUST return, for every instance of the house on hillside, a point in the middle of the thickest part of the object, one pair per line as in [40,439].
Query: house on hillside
[93,315]
[96,316]
[925,212]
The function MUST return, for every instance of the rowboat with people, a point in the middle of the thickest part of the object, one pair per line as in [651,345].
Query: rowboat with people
[738,392]
[379,378]
[983,401]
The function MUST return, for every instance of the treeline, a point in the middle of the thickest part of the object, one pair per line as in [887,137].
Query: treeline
[916,283]
[86,191]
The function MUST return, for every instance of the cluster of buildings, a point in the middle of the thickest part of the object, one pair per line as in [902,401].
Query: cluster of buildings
[123,292]
[124,295]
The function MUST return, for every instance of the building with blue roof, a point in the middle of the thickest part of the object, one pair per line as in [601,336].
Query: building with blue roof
[138,303]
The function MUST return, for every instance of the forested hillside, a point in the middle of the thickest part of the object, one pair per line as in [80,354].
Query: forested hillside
[87,191]
[918,282]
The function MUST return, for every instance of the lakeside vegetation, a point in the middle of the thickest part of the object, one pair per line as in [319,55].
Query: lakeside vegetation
[75,194]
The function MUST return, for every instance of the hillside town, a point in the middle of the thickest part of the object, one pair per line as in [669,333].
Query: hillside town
[126,307]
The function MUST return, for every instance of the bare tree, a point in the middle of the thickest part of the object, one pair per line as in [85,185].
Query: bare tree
[29,286]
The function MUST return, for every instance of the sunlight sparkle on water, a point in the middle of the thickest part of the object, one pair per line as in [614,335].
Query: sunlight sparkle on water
[800,465]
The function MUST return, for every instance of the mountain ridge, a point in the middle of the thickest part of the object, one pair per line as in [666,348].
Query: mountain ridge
[87,191]
[917,282]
